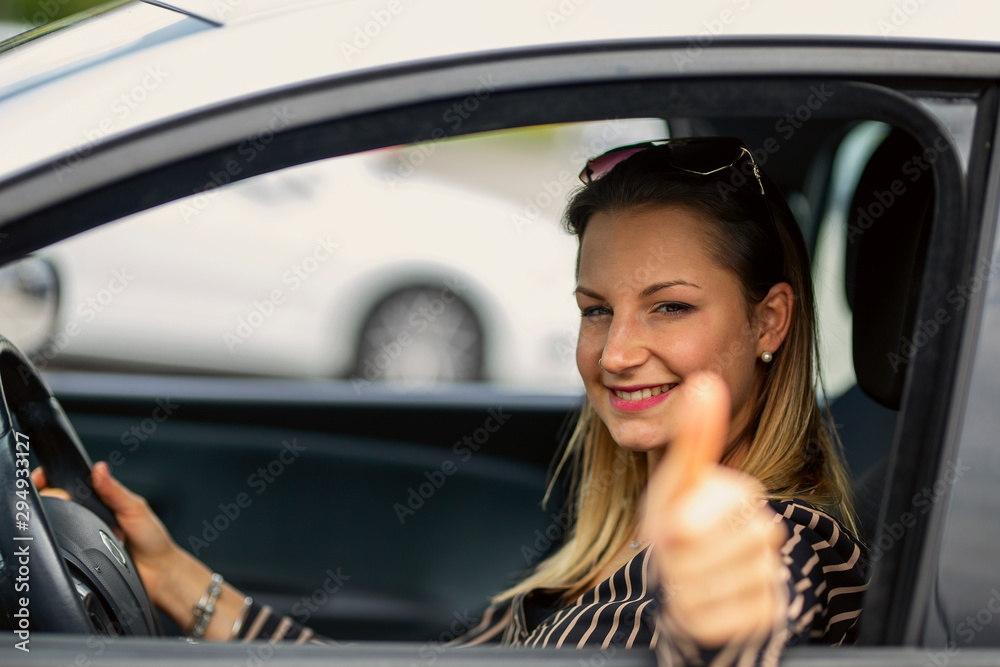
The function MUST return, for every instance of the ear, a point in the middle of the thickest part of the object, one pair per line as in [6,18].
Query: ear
[774,317]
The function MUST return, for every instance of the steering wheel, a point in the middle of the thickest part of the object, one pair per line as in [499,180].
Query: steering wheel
[63,568]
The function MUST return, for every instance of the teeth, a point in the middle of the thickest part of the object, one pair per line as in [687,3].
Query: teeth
[644,393]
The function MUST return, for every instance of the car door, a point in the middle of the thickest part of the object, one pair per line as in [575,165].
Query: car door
[241,429]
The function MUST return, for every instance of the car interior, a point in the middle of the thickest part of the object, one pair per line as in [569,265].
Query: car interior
[331,471]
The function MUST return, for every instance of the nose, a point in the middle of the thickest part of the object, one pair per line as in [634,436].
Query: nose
[625,346]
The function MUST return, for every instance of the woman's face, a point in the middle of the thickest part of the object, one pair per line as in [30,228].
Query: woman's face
[656,307]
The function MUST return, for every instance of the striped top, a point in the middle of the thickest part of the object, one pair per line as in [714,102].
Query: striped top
[826,578]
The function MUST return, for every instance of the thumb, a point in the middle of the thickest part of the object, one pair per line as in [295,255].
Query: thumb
[699,440]
[42,485]
[39,479]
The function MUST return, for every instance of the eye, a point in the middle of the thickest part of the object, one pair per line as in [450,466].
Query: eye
[673,308]
[595,311]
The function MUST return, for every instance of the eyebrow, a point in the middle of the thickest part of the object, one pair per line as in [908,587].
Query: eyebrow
[649,291]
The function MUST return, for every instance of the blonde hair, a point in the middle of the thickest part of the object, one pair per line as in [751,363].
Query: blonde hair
[792,451]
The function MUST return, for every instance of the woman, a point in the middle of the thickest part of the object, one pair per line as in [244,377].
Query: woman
[711,517]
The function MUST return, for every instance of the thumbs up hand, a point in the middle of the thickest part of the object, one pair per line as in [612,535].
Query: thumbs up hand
[717,541]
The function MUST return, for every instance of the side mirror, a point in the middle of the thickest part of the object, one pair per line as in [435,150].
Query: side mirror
[29,302]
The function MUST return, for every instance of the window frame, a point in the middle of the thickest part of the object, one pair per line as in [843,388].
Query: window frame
[377,109]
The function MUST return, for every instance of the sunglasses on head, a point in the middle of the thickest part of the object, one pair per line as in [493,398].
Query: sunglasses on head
[702,156]
[696,155]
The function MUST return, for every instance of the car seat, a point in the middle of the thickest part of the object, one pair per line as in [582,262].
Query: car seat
[888,229]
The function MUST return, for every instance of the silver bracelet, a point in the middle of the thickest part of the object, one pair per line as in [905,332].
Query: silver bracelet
[238,625]
[203,611]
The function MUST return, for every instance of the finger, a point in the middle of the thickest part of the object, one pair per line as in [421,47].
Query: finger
[756,578]
[42,484]
[701,432]
[53,492]
[114,494]
[738,599]
[700,436]
[738,619]
[724,504]
[724,550]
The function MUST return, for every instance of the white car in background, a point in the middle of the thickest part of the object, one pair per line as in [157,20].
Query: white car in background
[378,298]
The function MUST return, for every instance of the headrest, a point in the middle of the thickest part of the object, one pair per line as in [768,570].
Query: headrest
[888,228]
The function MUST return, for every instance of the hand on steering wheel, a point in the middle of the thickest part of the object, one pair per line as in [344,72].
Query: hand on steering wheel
[173,577]
[65,571]
[152,549]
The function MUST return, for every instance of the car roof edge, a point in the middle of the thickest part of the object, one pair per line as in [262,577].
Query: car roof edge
[218,23]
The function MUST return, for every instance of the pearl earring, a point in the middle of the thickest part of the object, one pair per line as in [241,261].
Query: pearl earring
[766,357]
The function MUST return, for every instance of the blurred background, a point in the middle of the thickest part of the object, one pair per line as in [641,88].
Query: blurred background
[316,272]
[17,16]
[963,19]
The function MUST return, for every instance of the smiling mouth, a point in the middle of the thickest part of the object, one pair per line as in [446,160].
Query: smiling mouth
[640,394]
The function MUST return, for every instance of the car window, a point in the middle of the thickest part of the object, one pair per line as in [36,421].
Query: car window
[832,310]
[413,265]
[377,267]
